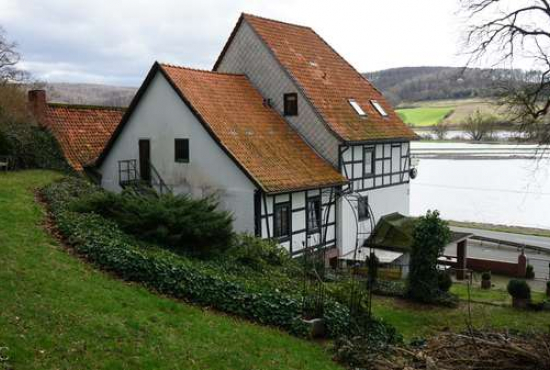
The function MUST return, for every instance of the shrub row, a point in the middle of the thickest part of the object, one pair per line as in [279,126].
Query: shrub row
[104,244]
[182,223]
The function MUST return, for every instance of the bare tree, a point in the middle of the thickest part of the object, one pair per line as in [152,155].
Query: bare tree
[440,130]
[512,31]
[479,126]
[9,57]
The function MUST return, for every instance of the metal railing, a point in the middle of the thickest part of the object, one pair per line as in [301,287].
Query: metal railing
[157,181]
[128,175]
[6,163]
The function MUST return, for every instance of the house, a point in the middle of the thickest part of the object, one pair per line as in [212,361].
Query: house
[81,131]
[294,141]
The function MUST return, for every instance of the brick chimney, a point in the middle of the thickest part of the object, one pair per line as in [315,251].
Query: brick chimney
[37,104]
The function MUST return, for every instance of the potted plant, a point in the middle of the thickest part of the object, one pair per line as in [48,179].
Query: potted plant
[520,292]
[529,272]
[312,316]
[486,280]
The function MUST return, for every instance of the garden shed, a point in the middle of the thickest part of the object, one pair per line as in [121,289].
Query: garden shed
[392,240]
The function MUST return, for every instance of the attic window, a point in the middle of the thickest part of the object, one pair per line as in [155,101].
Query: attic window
[357,107]
[291,104]
[379,108]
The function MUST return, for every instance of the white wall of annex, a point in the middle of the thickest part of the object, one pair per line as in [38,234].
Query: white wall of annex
[161,116]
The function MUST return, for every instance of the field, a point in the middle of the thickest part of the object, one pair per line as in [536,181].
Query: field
[59,313]
[420,117]
[429,113]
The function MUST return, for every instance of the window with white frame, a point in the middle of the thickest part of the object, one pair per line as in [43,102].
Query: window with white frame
[363,208]
[379,108]
[313,214]
[357,107]
[281,220]
[368,161]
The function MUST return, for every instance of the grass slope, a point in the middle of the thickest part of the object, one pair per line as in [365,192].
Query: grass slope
[420,117]
[56,312]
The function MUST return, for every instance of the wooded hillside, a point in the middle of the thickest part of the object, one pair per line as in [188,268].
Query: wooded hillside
[436,83]
[90,94]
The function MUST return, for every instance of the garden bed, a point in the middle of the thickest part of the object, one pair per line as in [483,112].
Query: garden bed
[269,297]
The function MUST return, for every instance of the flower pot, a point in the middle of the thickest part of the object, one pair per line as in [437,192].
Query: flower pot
[520,302]
[485,284]
[316,327]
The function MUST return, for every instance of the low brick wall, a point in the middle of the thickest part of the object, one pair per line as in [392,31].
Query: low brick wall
[498,267]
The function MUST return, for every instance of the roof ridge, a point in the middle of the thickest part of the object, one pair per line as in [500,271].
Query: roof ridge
[85,106]
[206,71]
[276,21]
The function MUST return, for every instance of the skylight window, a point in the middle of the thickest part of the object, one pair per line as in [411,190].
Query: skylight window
[379,108]
[357,107]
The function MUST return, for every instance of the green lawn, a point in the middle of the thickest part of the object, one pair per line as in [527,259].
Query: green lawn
[56,312]
[493,295]
[424,116]
[416,320]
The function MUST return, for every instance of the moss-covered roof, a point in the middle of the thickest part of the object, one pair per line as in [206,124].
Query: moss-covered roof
[394,232]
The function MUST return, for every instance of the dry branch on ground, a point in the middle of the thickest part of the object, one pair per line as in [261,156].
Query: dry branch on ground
[473,351]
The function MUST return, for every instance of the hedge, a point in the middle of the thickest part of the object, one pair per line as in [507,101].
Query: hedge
[105,245]
[31,146]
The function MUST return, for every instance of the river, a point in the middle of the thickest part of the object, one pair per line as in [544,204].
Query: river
[489,183]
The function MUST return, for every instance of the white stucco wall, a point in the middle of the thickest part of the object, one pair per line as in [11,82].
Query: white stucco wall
[387,190]
[161,116]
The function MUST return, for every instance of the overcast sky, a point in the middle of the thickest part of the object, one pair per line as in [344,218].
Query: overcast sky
[116,41]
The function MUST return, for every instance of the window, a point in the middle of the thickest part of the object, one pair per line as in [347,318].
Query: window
[291,104]
[281,220]
[357,107]
[368,161]
[182,150]
[313,215]
[363,208]
[379,108]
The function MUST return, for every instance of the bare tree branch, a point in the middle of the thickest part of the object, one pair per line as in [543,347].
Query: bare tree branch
[9,58]
[511,30]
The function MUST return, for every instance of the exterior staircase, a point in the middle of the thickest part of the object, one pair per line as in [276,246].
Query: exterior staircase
[130,178]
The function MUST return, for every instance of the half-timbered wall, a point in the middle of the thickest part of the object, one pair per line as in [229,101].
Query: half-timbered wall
[391,165]
[386,187]
[299,236]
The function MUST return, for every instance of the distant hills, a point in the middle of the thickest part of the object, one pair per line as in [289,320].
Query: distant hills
[413,84]
[399,85]
[90,94]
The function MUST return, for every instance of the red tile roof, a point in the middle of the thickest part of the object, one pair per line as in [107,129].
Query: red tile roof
[261,142]
[82,132]
[328,81]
